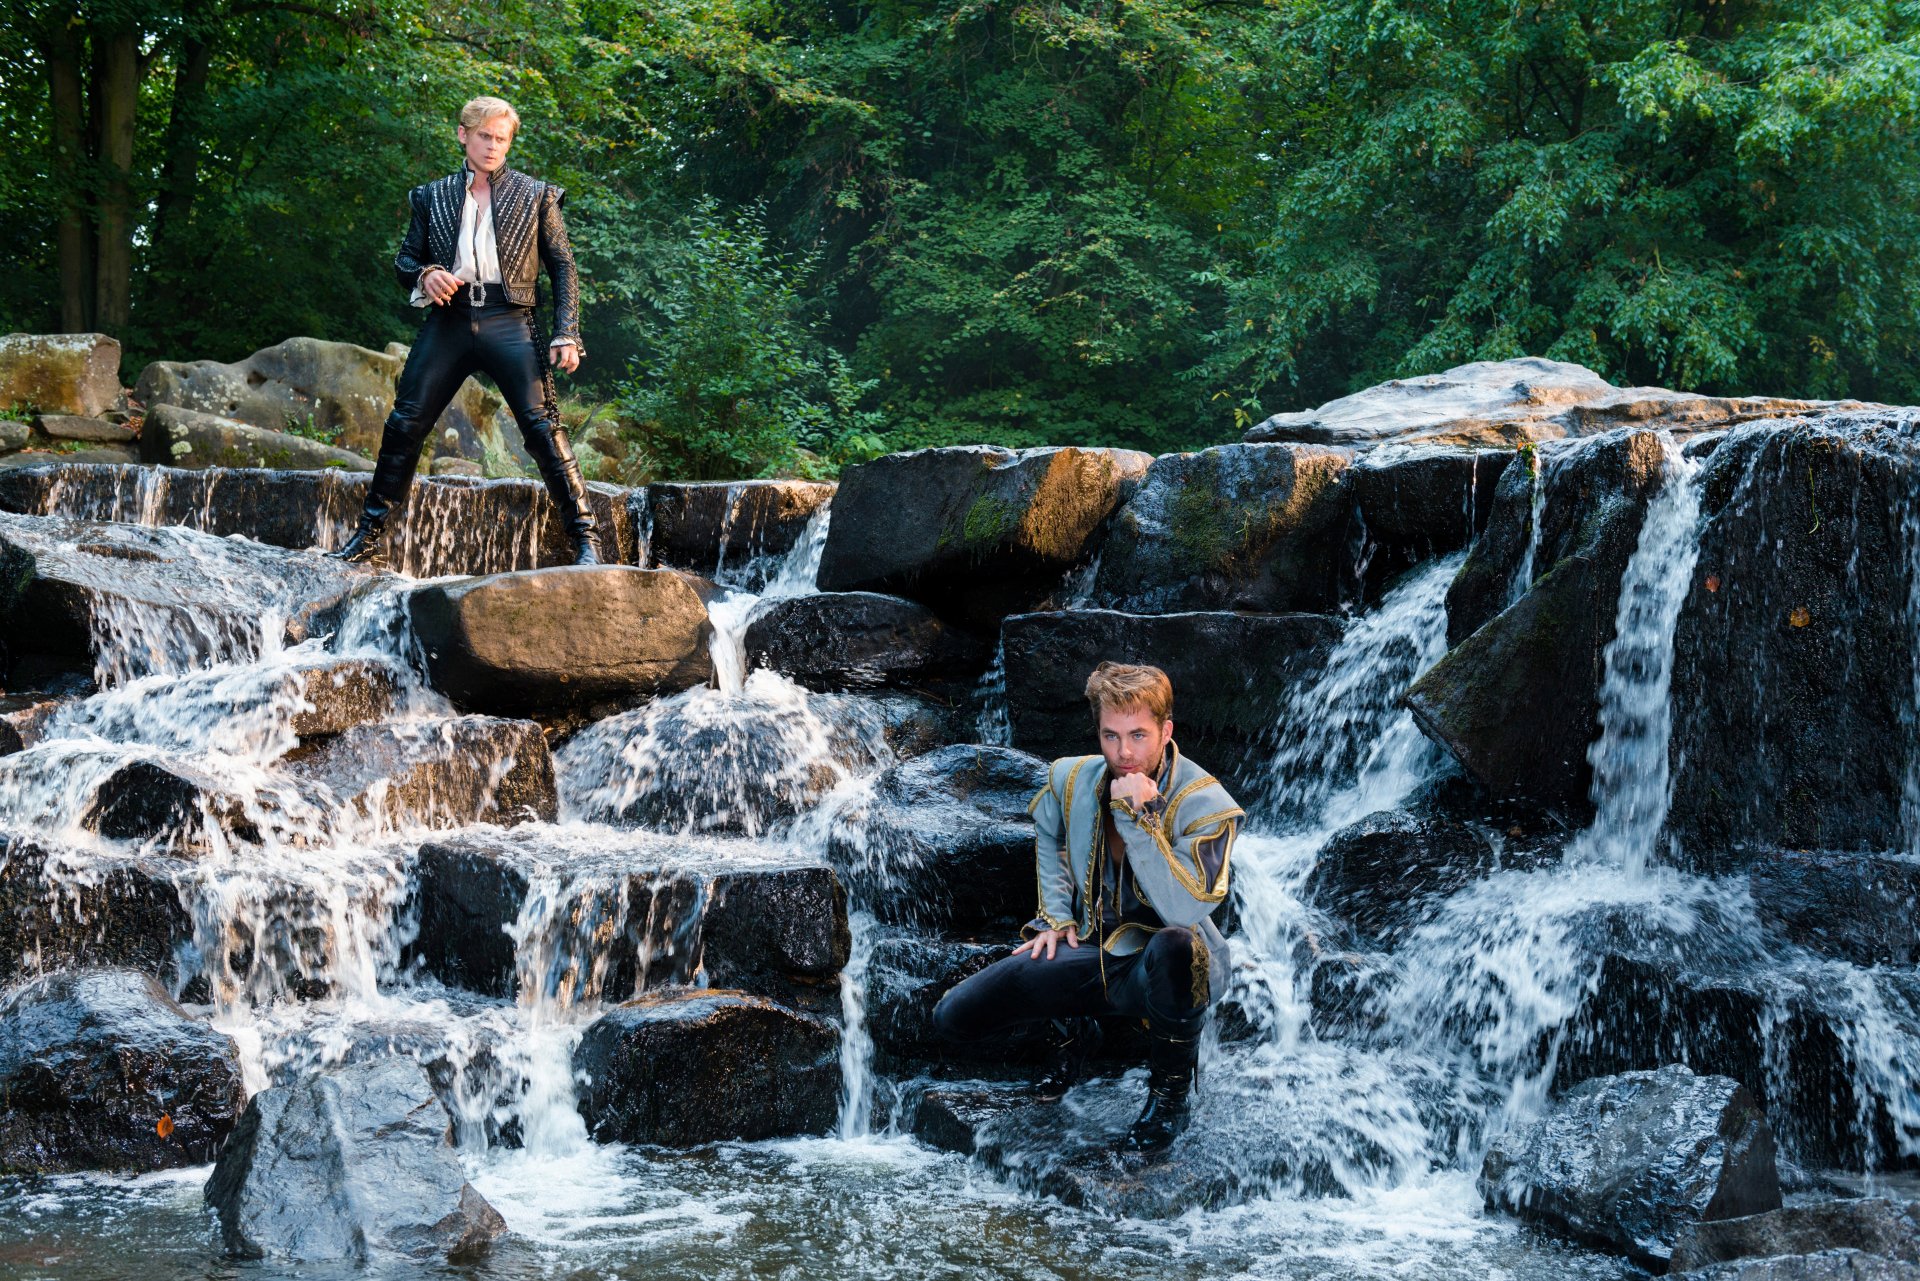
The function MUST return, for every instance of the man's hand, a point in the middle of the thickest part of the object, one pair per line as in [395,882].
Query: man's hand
[440,284]
[565,356]
[1135,789]
[1049,939]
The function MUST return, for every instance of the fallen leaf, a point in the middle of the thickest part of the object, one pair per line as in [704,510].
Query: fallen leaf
[164,1126]
[1799,617]
[1713,582]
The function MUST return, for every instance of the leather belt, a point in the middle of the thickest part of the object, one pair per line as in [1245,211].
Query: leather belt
[471,294]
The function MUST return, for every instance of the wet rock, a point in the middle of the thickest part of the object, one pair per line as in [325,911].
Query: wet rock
[906,977]
[949,1117]
[177,437]
[1416,502]
[64,909]
[168,807]
[1382,873]
[1828,1265]
[1856,907]
[334,387]
[101,1070]
[946,839]
[352,1164]
[99,431]
[1875,1225]
[975,532]
[719,528]
[1230,674]
[552,638]
[60,373]
[690,1067]
[450,525]
[862,640]
[1793,654]
[1510,402]
[1544,652]
[1252,527]
[607,920]
[341,693]
[128,601]
[448,773]
[1630,1162]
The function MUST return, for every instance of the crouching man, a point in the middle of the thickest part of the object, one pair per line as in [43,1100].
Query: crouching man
[1132,848]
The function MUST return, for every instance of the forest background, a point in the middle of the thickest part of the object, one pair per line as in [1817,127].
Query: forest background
[814,230]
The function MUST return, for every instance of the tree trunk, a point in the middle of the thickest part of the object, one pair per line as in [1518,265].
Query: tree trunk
[117,84]
[180,174]
[71,192]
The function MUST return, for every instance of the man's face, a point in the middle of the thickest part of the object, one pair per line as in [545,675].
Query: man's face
[1132,741]
[487,143]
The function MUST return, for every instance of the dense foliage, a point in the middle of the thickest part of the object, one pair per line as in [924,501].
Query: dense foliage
[815,228]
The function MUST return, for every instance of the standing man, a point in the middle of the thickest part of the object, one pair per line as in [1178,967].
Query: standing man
[472,257]
[1132,848]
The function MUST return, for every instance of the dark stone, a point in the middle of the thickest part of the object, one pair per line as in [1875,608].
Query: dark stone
[168,807]
[861,640]
[719,528]
[342,693]
[1629,1162]
[1793,682]
[906,977]
[349,1165]
[1383,873]
[1544,651]
[552,638]
[65,909]
[690,1067]
[1875,1225]
[101,1070]
[1856,907]
[1252,527]
[1419,502]
[975,531]
[1231,674]
[446,773]
[1828,1265]
[946,839]
[450,525]
[948,1117]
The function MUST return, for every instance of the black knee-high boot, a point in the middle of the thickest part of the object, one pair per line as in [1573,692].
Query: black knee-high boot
[553,455]
[1171,1061]
[392,475]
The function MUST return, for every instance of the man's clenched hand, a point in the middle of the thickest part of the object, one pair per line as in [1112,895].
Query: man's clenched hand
[1049,939]
[1135,789]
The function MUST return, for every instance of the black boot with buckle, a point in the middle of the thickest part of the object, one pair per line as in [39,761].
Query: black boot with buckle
[1171,1062]
[392,475]
[1070,1041]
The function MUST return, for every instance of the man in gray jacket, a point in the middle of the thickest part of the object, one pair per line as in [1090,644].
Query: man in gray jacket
[1132,849]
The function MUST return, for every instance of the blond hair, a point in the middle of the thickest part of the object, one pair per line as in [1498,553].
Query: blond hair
[482,109]
[1121,687]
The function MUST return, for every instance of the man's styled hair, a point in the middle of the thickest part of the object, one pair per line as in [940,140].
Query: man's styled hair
[1124,686]
[482,109]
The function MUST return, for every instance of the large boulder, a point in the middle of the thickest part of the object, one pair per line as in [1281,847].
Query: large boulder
[1511,402]
[1381,874]
[179,437]
[605,920]
[62,908]
[946,838]
[1230,674]
[689,1067]
[1827,1265]
[1253,527]
[546,640]
[1793,662]
[450,524]
[1856,907]
[732,531]
[436,773]
[862,640]
[906,977]
[130,601]
[1420,501]
[60,373]
[1874,1225]
[101,1070]
[1630,1162]
[1517,698]
[351,1165]
[976,532]
[334,387]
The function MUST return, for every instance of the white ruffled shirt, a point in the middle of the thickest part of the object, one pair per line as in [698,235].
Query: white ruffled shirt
[477,253]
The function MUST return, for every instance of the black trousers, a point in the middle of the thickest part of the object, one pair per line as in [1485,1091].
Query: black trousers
[1164,983]
[455,341]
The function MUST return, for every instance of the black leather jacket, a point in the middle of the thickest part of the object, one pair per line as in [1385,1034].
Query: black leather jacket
[527,231]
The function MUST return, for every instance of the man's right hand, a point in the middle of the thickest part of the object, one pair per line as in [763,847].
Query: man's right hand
[1049,939]
[439,284]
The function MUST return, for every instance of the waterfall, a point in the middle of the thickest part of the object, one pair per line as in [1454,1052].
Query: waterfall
[992,724]
[1536,515]
[1629,758]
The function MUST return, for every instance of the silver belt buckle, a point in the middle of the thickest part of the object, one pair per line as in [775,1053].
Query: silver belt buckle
[476,294]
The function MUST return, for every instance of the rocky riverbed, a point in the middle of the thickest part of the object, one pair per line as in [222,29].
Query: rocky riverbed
[499,920]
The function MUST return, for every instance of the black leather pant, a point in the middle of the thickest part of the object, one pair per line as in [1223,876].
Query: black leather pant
[1159,983]
[455,341]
